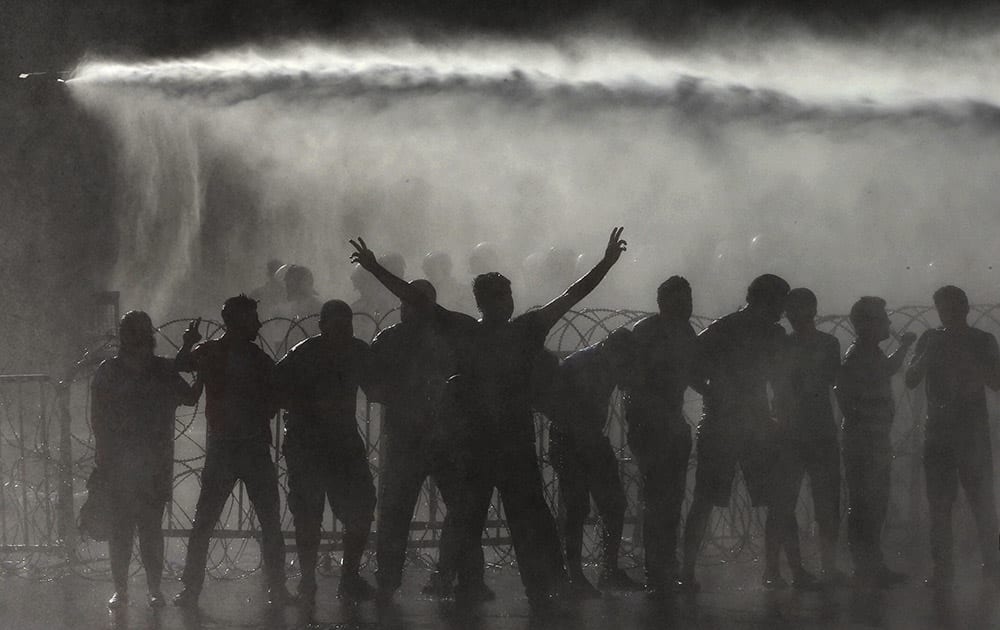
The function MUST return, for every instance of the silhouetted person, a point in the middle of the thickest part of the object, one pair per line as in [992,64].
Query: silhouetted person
[658,433]
[135,395]
[735,363]
[272,293]
[318,381]
[239,404]
[374,301]
[864,393]
[958,362]
[300,298]
[584,459]
[807,443]
[412,362]
[495,371]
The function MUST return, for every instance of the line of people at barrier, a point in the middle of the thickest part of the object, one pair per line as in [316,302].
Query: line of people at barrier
[459,396]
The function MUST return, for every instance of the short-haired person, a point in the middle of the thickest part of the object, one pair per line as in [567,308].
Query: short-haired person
[317,383]
[807,444]
[659,436]
[957,362]
[240,402]
[496,361]
[864,393]
[736,357]
[583,457]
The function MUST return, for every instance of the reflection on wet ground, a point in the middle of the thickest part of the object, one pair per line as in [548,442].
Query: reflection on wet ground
[79,603]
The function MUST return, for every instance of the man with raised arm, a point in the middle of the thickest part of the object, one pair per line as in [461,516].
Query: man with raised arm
[495,366]
[318,383]
[736,355]
[658,433]
[412,361]
[958,362]
[239,405]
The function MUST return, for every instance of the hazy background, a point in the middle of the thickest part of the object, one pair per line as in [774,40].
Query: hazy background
[850,149]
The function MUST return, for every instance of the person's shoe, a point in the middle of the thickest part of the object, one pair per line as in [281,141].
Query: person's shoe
[805,581]
[773,581]
[118,600]
[187,598]
[884,577]
[617,580]
[156,599]
[279,596]
[355,588]
[437,587]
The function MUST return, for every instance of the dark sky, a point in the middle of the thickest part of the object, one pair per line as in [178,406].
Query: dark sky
[52,34]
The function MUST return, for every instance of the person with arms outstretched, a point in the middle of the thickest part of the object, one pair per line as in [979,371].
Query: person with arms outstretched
[495,365]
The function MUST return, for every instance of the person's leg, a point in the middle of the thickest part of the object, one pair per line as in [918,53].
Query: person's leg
[217,480]
[261,481]
[856,472]
[976,473]
[150,526]
[823,468]
[352,496]
[402,476]
[676,465]
[574,496]
[460,493]
[713,485]
[123,521]
[606,487]
[532,528]
[879,491]
[781,527]
[306,500]
[941,481]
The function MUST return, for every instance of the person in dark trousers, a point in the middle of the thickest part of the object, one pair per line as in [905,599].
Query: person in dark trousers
[135,395]
[807,444]
[494,393]
[864,393]
[318,383]
[736,364]
[958,362]
[584,459]
[658,433]
[412,362]
[239,404]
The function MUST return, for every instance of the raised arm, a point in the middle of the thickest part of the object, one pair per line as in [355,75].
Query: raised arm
[184,362]
[554,310]
[397,286]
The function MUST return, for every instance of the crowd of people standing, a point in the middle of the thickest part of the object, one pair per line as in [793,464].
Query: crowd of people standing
[459,397]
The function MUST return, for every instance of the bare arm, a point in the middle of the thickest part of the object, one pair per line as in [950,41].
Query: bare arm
[554,310]
[396,285]
[918,364]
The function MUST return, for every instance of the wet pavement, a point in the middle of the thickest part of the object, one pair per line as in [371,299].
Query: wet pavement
[76,602]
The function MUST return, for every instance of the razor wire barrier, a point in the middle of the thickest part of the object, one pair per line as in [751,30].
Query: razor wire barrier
[47,453]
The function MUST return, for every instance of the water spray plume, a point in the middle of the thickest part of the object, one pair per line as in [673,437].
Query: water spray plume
[834,164]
